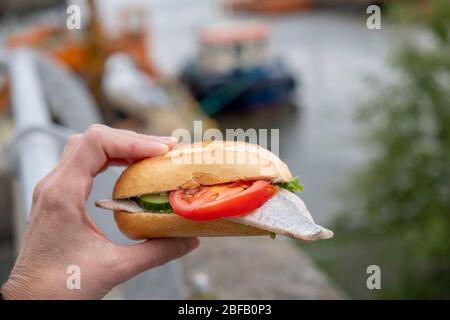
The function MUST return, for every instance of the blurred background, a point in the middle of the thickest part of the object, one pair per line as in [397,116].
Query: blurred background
[363,115]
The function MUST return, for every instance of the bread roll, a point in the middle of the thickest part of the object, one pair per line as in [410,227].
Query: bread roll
[189,166]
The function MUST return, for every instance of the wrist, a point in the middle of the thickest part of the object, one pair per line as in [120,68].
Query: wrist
[18,290]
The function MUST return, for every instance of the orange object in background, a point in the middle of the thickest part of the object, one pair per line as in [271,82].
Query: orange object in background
[73,55]
[85,52]
[269,6]
[4,97]
[94,45]
[55,42]
[35,37]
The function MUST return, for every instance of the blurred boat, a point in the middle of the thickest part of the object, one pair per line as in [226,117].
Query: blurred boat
[269,6]
[233,70]
[289,6]
[86,52]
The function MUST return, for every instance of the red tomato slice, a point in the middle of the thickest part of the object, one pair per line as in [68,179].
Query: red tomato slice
[219,201]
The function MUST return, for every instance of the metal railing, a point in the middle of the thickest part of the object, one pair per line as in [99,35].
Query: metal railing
[37,153]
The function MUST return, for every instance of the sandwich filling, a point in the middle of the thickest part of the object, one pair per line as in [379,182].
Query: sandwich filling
[213,202]
[259,203]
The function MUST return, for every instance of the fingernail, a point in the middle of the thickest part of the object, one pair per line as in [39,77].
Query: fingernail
[163,148]
[193,243]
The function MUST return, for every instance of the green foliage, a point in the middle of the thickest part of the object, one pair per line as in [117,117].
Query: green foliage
[405,187]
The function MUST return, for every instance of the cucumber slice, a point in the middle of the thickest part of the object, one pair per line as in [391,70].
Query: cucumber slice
[155,202]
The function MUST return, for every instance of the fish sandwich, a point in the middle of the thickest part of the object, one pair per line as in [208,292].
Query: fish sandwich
[186,194]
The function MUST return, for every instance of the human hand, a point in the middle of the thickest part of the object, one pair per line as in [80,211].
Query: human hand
[61,232]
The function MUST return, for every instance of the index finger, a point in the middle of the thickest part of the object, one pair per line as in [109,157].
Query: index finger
[99,144]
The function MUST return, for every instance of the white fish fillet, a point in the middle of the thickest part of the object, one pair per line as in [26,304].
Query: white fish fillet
[119,205]
[284,214]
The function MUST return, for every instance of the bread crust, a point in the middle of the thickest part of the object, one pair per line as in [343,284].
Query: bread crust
[154,225]
[189,166]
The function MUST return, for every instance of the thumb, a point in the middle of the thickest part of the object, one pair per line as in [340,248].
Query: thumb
[152,253]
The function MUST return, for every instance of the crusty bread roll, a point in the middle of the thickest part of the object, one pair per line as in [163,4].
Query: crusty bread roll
[153,225]
[169,172]
[189,166]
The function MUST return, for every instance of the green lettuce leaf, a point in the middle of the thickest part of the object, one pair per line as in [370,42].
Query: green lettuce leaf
[292,186]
